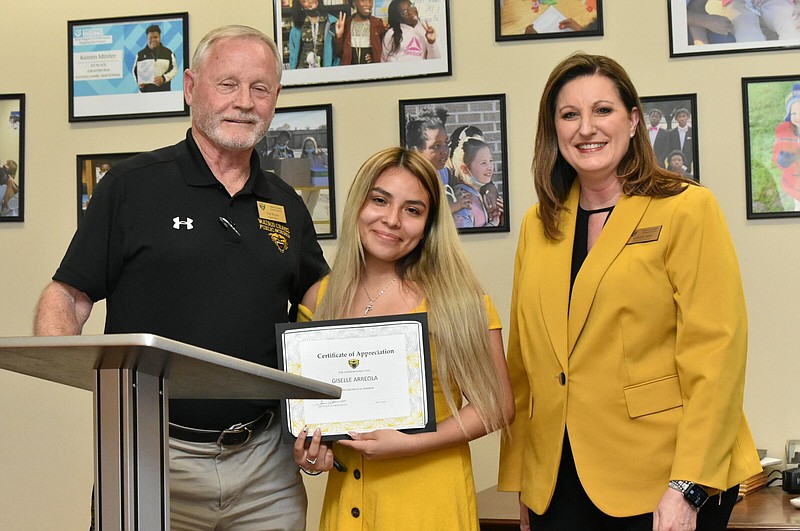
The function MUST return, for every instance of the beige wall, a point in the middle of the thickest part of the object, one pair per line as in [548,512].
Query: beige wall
[45,429]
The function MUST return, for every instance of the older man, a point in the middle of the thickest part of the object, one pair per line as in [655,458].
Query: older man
[196,243]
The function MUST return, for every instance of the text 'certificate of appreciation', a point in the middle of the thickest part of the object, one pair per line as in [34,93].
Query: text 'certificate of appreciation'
[381,363]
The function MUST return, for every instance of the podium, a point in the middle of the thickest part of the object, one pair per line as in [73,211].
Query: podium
[132,377]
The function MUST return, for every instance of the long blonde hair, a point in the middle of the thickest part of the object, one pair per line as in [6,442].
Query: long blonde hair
[439,268]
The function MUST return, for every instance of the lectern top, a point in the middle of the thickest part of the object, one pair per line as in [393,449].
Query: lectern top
[193,372]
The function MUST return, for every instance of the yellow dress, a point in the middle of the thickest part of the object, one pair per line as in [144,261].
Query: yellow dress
[433,490]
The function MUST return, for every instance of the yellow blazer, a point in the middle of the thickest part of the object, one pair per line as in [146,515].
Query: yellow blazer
[645,365]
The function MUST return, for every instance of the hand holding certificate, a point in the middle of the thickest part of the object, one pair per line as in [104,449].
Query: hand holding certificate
[382,365]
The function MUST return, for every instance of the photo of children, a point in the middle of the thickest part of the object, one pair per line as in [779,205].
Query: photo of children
[298,148]
[772,146]
[341,41]
[545,19]
[719,26]
[464,139]
[12,157]
[672,126]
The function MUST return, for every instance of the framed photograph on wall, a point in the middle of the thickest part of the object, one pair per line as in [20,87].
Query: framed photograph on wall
[91,170]
[672,125]
[772,146]
[465,139]
[127,67]
[702,27]
[12,157]
[299,148]
[547,19]
[410,40]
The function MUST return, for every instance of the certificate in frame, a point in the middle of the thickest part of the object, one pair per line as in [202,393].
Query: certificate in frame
[127,67]
[382,364]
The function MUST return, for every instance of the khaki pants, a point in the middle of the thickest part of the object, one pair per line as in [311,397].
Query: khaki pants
[253,487]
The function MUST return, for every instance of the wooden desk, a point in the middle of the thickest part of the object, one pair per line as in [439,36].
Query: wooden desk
[765,509]
[768,508]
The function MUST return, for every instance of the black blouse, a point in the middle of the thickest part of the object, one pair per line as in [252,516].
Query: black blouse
[581,244]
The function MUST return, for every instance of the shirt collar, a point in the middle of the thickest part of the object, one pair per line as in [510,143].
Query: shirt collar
[196,172]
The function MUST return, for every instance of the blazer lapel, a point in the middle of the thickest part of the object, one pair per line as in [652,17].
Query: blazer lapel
[554,294]
[613,238]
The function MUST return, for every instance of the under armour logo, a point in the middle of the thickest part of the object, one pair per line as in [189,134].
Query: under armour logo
[176,223]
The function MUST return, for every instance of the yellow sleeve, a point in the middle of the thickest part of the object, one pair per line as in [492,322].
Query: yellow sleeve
[711,346]
[491,314]
[512,443]
[304,315]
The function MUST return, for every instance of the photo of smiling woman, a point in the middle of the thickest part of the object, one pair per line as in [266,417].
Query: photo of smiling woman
[628,373]
[400,253]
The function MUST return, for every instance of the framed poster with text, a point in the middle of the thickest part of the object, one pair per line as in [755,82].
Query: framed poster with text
[128,67]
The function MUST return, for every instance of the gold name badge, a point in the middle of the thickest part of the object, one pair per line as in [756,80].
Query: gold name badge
[647,234]
[271,212]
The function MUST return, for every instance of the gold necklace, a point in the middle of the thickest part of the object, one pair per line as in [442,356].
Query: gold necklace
[368,307]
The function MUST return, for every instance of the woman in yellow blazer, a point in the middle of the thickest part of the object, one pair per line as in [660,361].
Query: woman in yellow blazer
[628,332]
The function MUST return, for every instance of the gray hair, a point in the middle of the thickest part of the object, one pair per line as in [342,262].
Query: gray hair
[234,31]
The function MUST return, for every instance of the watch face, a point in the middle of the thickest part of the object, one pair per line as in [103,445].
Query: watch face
[696,495]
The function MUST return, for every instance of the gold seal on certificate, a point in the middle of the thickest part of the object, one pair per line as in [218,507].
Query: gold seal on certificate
[381,363]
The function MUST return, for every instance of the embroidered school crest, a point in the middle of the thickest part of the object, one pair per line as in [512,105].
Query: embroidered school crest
[353,363]
[280,241]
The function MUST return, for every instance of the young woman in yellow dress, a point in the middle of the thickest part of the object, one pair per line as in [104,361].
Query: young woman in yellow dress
[400,253]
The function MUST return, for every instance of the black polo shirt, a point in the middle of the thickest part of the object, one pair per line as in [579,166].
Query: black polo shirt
[152,244]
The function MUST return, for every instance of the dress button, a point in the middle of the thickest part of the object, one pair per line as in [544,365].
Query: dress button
[355,512]
[562,378]
[357,473]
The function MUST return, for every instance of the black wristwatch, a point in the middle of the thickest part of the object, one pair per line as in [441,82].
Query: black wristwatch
[694,494]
